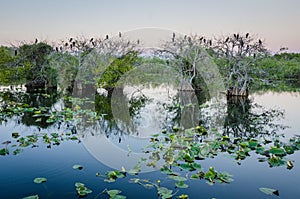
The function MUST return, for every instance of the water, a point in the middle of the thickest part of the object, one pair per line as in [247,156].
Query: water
[108,145]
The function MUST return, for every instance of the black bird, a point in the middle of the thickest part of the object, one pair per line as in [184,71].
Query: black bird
[66,44]
[204,40]
[237,36]
[71,46]
[190,39]
[93,43]
[201,38]
[210,42]
[247,35]
[138,41]
[36,40]
[234,35]
[242,43]
[106,37]
[260,42]
[73,43]
[91,39]
[120,34]
[173,37]
[70,39]
[56,49]
[227,39]
[60,48]
[16,52]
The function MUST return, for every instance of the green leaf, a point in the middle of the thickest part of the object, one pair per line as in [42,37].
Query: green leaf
[4,152]
[39,180]
[78,166]
[31,197]
[277,151]
[15,135]
[177,178]
[181,184]
[269,191]
[79,184]
[113,192]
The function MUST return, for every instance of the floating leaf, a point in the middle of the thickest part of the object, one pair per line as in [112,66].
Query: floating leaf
[31,197]
[181,184]
[15,135]
[78,166]
[4,152]
[269,191]
[177,178]
[39,180]
[277,151]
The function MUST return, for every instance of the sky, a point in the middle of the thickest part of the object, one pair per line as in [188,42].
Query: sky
[274,21]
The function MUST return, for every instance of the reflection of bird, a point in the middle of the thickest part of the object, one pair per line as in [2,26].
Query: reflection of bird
[120,34]
[36,40]
[227,39]
[247,35]
[106,37]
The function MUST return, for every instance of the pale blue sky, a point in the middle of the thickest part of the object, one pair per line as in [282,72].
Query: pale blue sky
[276,21]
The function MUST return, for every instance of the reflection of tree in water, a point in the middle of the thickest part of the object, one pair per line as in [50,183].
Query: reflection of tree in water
[42,99]
[245,119]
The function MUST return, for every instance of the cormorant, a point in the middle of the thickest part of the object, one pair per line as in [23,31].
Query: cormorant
[210,42]
[234,35]
[247,35]
[66,44]
[106,37]
[227,39]
[120,34]
[16,52]
[138,41]
[204,40]
[70,39]
[56,48]
[36,40]
[260,42]
[173,37]
[73,43]
[201,38]
[237,36]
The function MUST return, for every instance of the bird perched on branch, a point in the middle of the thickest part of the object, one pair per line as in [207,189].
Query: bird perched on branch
[91,39]
[106,37]
[260,42]
[36,41]
[227,39]
[247,35]
[70,39]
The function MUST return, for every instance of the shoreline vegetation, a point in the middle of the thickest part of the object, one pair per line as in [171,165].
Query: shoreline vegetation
[243,61]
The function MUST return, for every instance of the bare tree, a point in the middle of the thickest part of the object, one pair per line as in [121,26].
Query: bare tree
[238,56]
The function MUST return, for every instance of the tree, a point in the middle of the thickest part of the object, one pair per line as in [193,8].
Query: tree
[238,56]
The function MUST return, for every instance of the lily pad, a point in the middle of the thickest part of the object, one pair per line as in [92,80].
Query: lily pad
[39,180]
[181,184]
[78,166]
[31,197]
[269,191]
